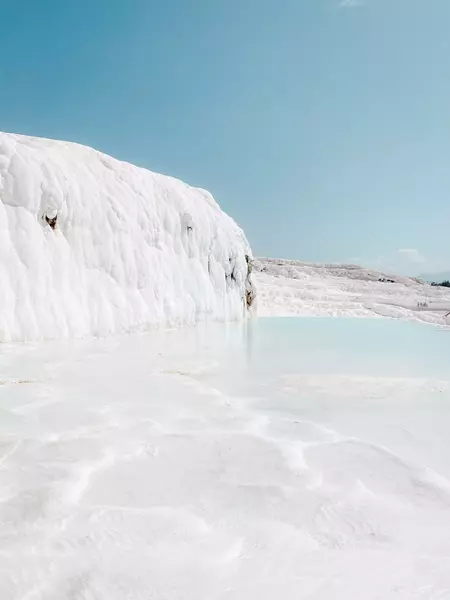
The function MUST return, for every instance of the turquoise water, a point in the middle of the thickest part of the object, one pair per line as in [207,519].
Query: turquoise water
[378,347]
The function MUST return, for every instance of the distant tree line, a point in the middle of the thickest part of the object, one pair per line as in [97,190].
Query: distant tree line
[441,284]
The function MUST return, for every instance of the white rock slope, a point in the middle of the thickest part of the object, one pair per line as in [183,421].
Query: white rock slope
[90,245]
[294,288]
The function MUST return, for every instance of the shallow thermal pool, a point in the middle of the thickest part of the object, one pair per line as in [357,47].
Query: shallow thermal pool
[282,458]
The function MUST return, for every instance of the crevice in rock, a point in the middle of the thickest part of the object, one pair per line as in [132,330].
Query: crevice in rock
[250,292]
[51,221]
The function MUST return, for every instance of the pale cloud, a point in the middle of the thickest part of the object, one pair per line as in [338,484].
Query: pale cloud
[411,255]
[351,3]
[404,261]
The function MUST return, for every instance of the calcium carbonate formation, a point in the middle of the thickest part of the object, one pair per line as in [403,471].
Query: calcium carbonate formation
[91,245]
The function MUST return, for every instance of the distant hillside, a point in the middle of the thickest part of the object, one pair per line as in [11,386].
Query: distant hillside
[288,288]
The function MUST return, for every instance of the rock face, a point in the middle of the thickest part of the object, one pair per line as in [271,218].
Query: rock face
[90,245]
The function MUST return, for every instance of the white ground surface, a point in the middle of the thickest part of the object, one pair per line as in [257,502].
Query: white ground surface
[278,459]
[294,288]
[131,249]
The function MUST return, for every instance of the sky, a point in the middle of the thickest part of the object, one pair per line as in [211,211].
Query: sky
[321,126]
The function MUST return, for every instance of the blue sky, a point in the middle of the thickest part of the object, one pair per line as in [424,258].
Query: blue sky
[321,126]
